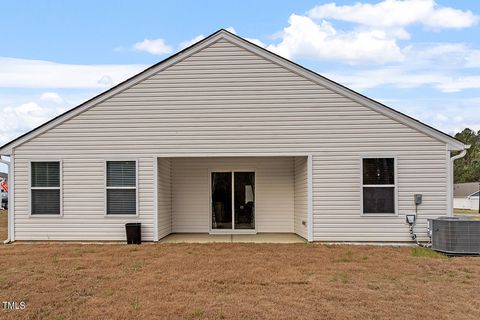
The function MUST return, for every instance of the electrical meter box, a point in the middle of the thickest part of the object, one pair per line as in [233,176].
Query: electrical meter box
[418,199]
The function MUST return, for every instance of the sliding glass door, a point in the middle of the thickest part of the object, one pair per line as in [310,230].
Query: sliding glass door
[221,200]
[244,200]
[233,200]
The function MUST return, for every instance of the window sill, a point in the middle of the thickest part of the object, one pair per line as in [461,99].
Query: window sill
[379,215]
[121,215]
[46,215]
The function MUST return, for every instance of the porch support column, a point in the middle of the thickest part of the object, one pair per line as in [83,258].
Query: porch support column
[11,199]
[155,199]
[310,198]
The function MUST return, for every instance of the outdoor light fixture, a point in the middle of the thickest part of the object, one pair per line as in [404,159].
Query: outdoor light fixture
[411,218]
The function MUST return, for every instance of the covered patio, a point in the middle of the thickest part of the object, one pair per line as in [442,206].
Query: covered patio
[261,199]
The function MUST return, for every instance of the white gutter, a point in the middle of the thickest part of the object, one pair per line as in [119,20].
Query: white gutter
[9,202]
[451,179]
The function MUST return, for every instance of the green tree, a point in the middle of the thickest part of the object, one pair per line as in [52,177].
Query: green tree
[467,169]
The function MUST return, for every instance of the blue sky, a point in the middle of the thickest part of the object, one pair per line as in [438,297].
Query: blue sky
[421,57]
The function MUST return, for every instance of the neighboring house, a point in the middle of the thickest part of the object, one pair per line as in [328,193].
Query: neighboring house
[227,137]
[466,195]
[3,194]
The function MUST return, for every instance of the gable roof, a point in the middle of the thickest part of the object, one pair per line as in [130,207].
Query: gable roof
[452,143]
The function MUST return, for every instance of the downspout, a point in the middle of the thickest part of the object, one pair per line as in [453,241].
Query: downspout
[452,159]
[9,202]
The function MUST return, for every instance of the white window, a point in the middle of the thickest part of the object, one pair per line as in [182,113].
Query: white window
[45,188]
[121,187]
[378,186]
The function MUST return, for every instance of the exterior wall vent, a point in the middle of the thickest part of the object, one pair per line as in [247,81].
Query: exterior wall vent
[455,235]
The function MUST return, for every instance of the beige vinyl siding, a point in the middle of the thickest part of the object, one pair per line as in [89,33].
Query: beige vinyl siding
[274,195]
[229,101]
[337,196]
[83,204]
[164,197]
[301,196]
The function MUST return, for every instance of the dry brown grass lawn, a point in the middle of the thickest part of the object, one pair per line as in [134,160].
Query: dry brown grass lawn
[3,225]
[466,211]
[236,281]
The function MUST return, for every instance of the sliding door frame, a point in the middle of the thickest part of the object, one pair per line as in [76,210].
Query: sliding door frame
[232,230]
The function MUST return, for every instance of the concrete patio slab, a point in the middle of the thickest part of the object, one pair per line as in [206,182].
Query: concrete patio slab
[195,238]
[234,238]
[268,238]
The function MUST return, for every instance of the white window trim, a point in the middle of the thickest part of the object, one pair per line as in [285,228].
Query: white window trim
[395,186]
[45,188]
[107,188]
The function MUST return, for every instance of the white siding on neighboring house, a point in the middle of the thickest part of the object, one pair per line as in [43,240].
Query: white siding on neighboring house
[227,100]
[274,194]
[301,196]
[470,203]
[164,197]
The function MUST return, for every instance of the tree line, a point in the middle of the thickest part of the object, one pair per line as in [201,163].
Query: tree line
[467,169]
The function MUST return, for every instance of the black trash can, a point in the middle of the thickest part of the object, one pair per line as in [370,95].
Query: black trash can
[134,233]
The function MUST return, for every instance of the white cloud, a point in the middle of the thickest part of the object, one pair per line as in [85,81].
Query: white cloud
[396,13]
[430,51]
[24,117]
[451,57]
[153,46]
[231,29]
[400,77]
[450,18]
[449,115]
[106,81]
[23,111]
[361,79]
[51,97]
[256,41]
[472,59]
[305,38]
[375,34]
[252,40]
[24,73]
[194,40]
[459,83]
[440,117]
[188,43]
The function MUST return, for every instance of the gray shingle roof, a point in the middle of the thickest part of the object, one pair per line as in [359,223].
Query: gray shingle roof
[463,190]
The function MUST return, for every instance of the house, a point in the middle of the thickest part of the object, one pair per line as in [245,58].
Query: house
[3,193]
[227,137]
[466,195]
